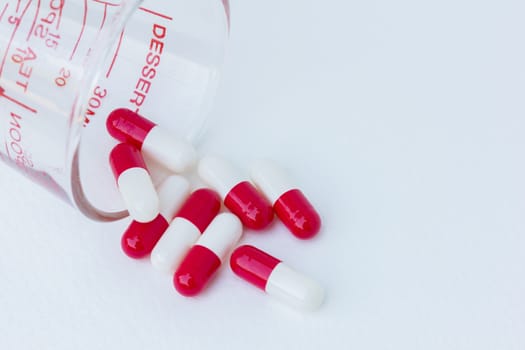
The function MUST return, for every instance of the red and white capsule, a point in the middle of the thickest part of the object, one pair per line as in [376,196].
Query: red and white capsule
[206,256]
[239,195]
[140,238]
[173,152]
[289,203]
[134,182]
[197,212]
[276,279]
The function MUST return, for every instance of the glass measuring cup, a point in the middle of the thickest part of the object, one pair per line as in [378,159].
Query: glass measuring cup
[65,64]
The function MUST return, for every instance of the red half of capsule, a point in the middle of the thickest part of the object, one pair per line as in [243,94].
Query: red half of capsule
[140,238]
[123,157]
[196,270]
[253,210]
[200,208]
[253,265]
[128,126]
[296,212]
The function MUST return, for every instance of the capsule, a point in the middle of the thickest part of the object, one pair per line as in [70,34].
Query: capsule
[176,154]
[134,182]
[239,195]
[275,278]
[140,238]
[205,257]
[289,203]
[201,207]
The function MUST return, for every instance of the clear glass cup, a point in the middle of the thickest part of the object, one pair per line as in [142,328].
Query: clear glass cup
[64,65]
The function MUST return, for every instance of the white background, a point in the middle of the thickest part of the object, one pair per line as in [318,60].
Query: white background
[404,123]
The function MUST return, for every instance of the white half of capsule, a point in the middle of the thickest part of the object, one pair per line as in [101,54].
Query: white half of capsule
[219,174]
[174,245]
[270,179]
[138,194]
[294,288]
[172,193]
[175,153]
[222,235]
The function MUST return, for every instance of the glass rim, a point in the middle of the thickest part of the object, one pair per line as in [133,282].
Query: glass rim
[106,39]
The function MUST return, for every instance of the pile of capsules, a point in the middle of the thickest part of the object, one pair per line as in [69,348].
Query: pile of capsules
[185,234]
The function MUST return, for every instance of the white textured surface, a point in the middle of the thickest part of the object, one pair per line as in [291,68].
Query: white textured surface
[221,235]
[402,120]
[139,194]
[294,288]
[173,152]
[174,245]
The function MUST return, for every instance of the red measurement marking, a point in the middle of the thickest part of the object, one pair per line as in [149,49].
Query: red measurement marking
[115,55]
[104,18]
[3,11]
[161,15]
[84,19]
[23,105]
[34,21]
[2,64]
[106,4]
[226,5]
[60,16]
